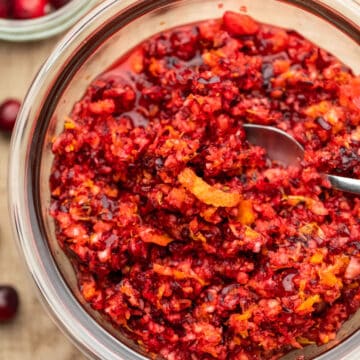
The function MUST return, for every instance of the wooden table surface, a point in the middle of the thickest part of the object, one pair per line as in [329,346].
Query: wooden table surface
[32,335]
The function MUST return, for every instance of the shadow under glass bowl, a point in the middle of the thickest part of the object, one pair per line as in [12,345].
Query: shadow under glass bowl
[91,47]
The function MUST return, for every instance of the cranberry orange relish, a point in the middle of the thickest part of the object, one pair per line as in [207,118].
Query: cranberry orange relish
[188,238]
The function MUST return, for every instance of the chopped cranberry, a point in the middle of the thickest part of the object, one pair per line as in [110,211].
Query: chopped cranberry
[239,24]
[57,4]
[8,113]
[29,9]
[9,303]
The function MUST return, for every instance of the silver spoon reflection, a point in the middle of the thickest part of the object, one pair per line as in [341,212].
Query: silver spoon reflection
[283,148]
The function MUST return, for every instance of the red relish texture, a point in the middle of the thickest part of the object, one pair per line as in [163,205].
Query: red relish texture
[186,237]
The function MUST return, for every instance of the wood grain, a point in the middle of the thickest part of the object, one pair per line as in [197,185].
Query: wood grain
[32,335]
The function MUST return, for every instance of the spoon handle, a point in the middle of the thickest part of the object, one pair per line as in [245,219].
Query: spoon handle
[345,184]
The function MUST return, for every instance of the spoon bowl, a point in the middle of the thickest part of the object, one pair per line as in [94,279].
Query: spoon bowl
[283,148]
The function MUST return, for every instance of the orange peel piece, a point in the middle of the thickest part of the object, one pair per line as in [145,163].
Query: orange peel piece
[177,274]
[246,213]
[316,206]
[307,304]
[206,193]
[149,235]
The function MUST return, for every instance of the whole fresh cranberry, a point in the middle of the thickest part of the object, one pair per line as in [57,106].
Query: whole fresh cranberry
[59,3]
[9,303]
[29,9]
[8,113]
[4,9]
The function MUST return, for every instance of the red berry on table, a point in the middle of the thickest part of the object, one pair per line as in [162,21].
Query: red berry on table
[8,113]
[29,9]
[59,3]
[9,303]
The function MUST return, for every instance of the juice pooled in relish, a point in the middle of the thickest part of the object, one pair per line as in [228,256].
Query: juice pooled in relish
[185,236]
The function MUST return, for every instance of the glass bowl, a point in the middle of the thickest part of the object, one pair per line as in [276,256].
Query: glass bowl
[45,26]
[92,46]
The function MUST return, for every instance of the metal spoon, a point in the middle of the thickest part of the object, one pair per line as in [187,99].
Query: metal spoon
[283,148]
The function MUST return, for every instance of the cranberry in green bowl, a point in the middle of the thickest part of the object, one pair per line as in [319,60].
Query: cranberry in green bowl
[25,20]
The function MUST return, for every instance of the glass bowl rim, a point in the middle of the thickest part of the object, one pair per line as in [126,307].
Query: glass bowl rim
[74,320]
